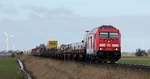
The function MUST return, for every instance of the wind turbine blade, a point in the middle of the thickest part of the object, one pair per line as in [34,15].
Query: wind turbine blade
[12,36]
[5,33]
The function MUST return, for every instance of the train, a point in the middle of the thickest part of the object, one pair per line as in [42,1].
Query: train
[101,44]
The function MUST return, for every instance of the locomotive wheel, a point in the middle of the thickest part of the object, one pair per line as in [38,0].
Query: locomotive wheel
[112,62]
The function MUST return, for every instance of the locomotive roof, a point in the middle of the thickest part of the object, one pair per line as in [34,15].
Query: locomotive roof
[102,27]
[106,26]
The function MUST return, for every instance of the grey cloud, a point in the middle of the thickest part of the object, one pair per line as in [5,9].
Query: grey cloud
[65,26]
[47,12]
[7,9]
[11,11]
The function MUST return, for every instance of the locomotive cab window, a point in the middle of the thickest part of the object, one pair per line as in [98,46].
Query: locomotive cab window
[113,35]
[104,35]
[109,35]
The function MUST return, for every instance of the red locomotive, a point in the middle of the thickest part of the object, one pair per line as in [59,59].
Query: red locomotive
[103,43]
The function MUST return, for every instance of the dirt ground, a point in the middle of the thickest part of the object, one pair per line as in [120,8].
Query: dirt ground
[46,68]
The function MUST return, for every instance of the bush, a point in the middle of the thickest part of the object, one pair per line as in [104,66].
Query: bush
[140,52]
[13,55]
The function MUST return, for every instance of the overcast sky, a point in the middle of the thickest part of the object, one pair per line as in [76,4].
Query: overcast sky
[36,21]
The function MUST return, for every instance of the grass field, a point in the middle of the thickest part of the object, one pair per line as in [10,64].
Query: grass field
[8,69]
[46,68]
[135,60]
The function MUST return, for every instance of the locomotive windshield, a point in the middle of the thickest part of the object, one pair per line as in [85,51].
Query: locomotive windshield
[109,35]
[113,35]
[104,35]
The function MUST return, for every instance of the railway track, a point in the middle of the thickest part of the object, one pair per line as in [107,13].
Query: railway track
[127,66]
[135,67]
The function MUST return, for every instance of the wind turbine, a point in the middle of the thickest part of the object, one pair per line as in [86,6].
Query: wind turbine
[7,40]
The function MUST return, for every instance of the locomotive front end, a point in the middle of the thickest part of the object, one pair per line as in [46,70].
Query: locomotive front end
[108,43]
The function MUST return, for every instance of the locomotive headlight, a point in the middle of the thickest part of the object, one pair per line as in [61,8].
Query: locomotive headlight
[101,49]
[116,49]
[102,45]
[115,45]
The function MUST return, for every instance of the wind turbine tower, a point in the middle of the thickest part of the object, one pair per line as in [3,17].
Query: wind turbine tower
[7,40]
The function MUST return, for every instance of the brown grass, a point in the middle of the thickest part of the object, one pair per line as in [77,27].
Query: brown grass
[44,68]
